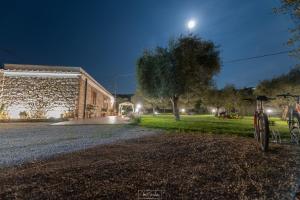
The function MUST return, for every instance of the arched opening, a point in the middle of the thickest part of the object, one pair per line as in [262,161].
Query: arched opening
[125,108]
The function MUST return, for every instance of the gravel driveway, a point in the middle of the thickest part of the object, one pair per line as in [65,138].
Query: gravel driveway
[22,142]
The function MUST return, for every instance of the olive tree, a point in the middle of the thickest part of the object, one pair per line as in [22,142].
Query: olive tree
[187,64]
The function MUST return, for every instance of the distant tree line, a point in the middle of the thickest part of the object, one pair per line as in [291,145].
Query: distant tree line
[229,99]
[286,83]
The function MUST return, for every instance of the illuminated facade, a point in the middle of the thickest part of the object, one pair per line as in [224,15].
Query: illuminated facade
[34,91]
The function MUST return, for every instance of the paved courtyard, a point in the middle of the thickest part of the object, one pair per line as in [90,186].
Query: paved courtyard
[94,121]
[23,142]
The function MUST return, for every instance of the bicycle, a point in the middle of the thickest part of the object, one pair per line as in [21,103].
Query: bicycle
[293,117]
[261,123]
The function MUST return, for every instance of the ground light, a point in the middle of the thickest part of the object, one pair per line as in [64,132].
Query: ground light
[56,112]
[269,111]
[183,110]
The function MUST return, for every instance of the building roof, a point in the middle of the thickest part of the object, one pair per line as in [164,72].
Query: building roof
[40,68]
[46,68]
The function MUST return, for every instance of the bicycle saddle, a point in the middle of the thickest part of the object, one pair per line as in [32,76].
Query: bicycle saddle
[248,99]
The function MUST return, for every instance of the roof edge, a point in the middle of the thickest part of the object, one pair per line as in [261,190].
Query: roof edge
[40,67]
[96,82]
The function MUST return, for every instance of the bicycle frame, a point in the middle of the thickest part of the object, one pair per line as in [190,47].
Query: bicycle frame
[259,110]
[293,110]
[259,106]
[293,117]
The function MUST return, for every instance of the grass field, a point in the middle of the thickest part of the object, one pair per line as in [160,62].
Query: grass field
[209,124]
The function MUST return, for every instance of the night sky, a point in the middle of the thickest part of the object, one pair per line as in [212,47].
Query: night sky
[106,37]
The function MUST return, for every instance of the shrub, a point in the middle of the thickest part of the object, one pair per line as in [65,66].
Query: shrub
[68,115]
[135,119]
[24,115]
[3,113]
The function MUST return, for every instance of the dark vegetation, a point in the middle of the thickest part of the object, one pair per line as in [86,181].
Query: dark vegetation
[291,7]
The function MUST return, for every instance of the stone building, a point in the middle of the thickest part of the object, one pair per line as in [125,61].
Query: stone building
[35,91]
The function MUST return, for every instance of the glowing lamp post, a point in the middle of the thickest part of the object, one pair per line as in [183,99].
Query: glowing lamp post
[138,108]
[213,111]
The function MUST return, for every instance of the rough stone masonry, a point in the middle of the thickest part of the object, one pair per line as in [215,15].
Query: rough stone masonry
[34,91]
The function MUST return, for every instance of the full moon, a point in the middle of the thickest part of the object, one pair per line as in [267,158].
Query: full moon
[191,24]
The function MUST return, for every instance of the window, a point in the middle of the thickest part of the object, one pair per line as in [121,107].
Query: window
[94,98]
[105,103]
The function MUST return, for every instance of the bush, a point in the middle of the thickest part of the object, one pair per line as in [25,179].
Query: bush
[135,119]
[231,115]
[24,115]
[68,115]
[3,113]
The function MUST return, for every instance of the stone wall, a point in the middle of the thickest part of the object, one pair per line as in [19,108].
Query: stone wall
[40,97]
[1,83]
[81,97]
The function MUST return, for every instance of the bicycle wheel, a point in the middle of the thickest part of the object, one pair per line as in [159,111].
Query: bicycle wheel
[291,119]
[295,129]
[264,131]
[256,127]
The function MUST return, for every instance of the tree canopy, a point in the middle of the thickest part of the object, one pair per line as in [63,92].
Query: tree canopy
[188,64]
[289,82]
[291,7]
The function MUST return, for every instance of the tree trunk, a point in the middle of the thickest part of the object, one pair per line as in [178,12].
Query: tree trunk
[174,101]
[284,114]
[218,112]
[153,110]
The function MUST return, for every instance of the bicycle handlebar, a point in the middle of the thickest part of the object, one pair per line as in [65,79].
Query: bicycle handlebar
[286,95]
[259,98]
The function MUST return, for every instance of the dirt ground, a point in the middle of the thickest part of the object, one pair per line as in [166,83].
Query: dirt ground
[171,166]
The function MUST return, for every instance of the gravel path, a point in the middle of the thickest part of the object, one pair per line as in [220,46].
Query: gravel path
[23,142]
[173,166]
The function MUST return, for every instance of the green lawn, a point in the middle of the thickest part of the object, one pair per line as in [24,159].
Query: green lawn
[209,124]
